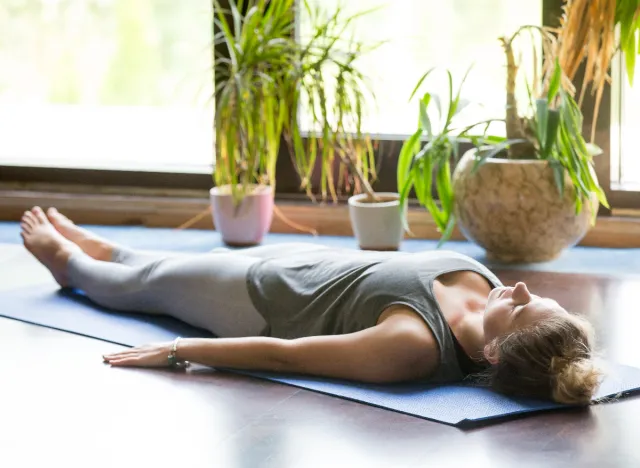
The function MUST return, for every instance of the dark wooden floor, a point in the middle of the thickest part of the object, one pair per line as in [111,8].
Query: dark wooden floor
[60,406]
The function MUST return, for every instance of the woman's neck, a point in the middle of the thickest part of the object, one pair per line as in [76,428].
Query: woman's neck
[469,332]
[462,297]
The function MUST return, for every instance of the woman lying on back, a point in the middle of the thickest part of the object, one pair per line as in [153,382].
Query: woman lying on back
[340,313]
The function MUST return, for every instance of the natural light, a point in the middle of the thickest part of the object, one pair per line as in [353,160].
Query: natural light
[625,122]
[109,84]
[421,34]
[127,84]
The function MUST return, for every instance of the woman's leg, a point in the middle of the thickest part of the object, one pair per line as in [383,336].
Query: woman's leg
[102,249]
[99,248]
[278,250]
[207,291]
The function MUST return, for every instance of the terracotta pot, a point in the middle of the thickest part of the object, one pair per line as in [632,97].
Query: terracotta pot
[512,208]
[377,225]
[244,224]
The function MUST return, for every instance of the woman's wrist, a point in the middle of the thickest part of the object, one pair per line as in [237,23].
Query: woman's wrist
[174,359]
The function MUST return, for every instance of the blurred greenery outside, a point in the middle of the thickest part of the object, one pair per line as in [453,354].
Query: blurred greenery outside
[127,84]
[123,83]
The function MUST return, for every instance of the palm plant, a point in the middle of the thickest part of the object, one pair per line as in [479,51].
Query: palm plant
[551,130]
[592,32]
[334,94]
[254,71]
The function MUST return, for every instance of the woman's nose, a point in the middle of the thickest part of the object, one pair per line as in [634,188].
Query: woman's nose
[521,294]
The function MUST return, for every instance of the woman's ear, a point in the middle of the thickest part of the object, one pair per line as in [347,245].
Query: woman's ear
[491,353]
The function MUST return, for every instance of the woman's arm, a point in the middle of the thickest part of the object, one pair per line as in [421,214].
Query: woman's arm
[396,350]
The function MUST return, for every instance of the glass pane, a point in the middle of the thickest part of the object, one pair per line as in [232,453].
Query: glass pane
[114,84]
[625,164]
[451,34]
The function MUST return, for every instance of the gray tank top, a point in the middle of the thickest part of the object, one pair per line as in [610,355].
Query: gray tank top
[329,291]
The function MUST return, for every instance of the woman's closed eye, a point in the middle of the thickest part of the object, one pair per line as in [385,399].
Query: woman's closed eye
[517,310]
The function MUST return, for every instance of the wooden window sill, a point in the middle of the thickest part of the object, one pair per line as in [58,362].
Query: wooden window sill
[172,208]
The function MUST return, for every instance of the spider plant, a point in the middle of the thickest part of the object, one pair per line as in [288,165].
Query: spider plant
[334,94]
[254,67]
[426,157]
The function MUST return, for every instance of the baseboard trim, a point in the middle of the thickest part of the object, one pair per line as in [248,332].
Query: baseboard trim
[154,210]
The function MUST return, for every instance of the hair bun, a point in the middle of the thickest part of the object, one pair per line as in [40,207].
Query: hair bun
[576,380]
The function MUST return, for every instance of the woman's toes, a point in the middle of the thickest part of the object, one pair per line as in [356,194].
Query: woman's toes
[53,214]
[57,218]
[39,214]
[28,218]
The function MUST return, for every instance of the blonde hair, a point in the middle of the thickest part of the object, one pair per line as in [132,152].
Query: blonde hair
[551,359]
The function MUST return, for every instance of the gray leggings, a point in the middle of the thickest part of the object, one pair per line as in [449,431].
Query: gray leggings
[205,290]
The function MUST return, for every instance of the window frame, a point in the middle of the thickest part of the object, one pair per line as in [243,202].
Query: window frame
[288,181]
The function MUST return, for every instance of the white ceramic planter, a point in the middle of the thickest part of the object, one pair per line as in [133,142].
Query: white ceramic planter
[377,226]
[247,223]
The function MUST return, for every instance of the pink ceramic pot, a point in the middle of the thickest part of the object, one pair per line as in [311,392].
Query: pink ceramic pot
[247,223]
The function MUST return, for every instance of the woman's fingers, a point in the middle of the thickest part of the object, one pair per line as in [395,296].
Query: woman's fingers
[141,356]
[126,352]
[125,362]
[120,355]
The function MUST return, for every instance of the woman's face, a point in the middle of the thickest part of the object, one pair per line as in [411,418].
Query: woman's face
[512,308]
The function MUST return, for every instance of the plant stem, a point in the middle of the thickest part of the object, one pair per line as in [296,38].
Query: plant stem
[514,124]
[355,170]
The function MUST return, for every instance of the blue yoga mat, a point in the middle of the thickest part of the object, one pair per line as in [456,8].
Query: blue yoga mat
[458,405]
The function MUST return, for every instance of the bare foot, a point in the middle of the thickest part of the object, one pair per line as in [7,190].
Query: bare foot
[47,244]
[93,245]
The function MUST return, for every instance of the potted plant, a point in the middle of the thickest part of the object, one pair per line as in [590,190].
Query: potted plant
[541,195]
[254,67]
[528,197]
[338,152]
[426,157]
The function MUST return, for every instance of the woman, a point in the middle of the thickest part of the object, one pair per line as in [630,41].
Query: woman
[365,316]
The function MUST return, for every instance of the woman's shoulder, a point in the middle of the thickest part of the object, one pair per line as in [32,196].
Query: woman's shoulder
[403,321]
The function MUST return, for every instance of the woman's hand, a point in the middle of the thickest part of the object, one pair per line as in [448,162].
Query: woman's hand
[151,355]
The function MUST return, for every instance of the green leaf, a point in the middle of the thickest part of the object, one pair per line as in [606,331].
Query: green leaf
[542,110]
[448,232]
[424,115]
[405,158]
[452,103]
[420,81]
[443,187]
[457,105]
[404,195]
[551,133]
[594,150]
[437,102]
[630,57]
[558,175]
[554,84]
[483,155]
[422,184]
[462,105]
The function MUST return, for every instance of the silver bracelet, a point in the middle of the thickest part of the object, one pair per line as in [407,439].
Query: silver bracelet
[173,358]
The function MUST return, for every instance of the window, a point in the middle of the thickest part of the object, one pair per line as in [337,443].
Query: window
[106,84]
[122,87]
[421,34]
[625,122]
